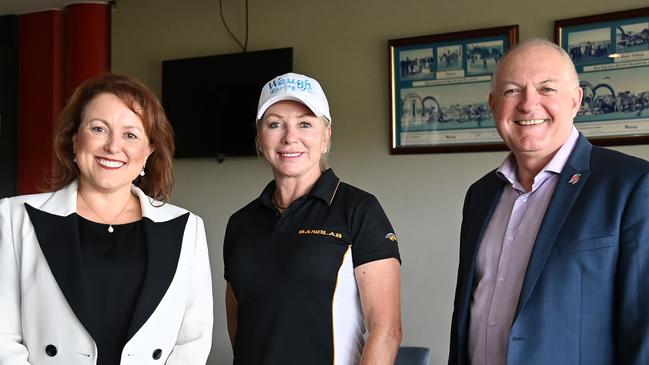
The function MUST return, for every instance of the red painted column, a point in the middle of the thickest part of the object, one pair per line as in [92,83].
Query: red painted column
[41,95]
[87,35]
[58,51]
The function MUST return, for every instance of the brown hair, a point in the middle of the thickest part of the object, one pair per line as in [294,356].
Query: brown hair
[159,178]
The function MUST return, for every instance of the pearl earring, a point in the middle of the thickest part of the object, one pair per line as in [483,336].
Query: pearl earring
[142,173]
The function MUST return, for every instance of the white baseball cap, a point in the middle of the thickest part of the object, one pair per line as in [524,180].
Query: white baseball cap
[292,86]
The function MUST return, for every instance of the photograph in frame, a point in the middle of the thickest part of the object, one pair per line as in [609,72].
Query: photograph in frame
[439,87]
[611,54]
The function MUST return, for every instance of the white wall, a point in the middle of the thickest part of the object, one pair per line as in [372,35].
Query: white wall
[344,45]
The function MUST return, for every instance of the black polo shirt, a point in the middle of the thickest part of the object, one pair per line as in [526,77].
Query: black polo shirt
[292,273]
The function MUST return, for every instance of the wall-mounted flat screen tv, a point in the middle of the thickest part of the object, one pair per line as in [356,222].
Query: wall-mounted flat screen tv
[211,101]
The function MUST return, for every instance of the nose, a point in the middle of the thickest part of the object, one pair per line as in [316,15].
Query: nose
[113,143]
[290,134]
[528,101]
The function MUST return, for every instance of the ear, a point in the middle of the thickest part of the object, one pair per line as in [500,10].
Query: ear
[258,138]
[492,103]
[577,96]
[74,143]
[151,150]
[327,136]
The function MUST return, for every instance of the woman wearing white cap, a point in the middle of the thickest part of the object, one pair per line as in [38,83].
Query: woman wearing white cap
[313,263]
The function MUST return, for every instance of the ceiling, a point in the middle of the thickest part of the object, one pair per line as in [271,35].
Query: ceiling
[29,6]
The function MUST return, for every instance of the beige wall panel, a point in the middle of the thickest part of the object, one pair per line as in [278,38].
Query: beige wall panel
[344,45]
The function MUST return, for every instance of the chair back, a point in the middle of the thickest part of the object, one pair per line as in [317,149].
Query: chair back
[410,355]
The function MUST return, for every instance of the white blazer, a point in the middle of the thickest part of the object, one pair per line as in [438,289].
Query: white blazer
[40,275]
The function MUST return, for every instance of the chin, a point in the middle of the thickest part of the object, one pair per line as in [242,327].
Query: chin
[110,185]
[284,173]
[292,172]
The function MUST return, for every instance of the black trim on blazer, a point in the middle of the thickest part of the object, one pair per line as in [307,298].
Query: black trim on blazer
[58,238]
[164,240]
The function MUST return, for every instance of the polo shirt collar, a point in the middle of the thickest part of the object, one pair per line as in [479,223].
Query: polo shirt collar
[325,189]
[266,197]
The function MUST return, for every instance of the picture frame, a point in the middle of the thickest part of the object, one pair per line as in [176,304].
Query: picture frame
[439,88]
[611,54]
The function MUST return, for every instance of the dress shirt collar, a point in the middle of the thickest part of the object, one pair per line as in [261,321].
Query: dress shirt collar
[507,170]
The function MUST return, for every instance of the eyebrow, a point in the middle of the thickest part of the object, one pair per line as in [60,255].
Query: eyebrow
[92,119]
[103,121]
[130,126]
[546,81]
[272,114]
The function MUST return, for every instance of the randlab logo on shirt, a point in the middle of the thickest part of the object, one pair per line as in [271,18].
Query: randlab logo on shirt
[321,232]
[392,237]
[292,84]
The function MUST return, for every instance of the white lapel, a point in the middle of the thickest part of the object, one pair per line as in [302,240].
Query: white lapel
[155,210]
[62,202]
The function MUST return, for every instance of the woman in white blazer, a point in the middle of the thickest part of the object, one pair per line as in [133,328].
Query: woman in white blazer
[102,270]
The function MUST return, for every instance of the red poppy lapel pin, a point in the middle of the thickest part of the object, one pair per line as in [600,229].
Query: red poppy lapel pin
[574,179]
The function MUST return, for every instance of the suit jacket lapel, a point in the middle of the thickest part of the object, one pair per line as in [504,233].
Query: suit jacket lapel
[483,201]
[572,179]
[58,238]
[163,243]
[56,226]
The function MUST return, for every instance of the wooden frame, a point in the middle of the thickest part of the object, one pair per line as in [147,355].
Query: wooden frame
[611,55]
[439,87]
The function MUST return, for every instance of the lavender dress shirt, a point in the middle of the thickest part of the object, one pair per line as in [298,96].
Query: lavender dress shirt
[504,253]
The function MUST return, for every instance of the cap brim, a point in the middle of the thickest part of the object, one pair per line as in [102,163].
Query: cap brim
[277,98]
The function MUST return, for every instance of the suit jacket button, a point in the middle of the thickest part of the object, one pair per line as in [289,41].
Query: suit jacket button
[50,350]
[157,354]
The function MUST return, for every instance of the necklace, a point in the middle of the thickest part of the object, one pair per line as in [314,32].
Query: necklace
[110,226]
[277,204]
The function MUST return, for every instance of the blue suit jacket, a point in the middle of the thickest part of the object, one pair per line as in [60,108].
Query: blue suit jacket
[585,295]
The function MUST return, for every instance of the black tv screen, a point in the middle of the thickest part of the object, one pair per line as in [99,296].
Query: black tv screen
[211,101]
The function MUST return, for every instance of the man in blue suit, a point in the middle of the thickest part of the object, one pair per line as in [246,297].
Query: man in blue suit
[554,251]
